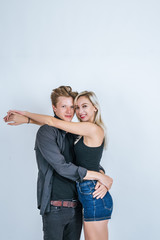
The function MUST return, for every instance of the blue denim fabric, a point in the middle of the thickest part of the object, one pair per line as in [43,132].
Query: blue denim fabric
[94,209]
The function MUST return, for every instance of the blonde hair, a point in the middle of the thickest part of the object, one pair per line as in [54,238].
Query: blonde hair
[62,91]
[97,119]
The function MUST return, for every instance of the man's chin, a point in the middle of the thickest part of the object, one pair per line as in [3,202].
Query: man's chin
[67,119]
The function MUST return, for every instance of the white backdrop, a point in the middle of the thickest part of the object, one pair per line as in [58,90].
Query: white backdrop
[110,47]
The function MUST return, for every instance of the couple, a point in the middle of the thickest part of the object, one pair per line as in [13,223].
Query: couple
[68,157]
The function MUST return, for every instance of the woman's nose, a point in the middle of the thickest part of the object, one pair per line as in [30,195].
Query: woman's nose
[80,110]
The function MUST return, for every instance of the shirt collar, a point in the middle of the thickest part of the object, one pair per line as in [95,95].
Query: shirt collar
[57,117]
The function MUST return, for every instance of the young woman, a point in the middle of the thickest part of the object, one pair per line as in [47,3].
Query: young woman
[88,149]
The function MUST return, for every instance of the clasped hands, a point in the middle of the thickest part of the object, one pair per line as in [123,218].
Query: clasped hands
[15,118]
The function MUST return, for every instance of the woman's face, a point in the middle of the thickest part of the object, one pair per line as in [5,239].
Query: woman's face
[85,110]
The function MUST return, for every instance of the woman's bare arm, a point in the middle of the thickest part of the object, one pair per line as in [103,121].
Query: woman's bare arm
[15,119]
[80,128]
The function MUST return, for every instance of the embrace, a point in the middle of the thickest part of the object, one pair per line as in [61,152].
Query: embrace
[72,187]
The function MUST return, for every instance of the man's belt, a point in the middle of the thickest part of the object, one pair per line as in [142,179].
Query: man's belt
[60,203]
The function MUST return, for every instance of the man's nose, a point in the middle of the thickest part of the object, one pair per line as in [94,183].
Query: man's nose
[69,110]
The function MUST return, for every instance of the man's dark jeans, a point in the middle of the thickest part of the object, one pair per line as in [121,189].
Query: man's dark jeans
[62,223]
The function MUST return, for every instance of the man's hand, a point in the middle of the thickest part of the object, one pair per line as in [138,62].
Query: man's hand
[100,190]
[106,180]
[15,119]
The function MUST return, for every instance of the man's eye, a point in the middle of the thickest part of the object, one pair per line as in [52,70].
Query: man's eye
[84,106]
[72,107]
[63,106]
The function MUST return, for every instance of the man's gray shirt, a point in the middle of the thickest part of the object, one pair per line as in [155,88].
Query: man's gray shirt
[49,147]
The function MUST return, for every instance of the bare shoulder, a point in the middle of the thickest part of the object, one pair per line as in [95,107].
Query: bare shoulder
[98,131]
[96,138]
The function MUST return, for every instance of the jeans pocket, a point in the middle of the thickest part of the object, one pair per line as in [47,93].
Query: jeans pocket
[55,209]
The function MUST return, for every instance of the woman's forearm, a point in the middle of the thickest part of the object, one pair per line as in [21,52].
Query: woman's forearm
[34,122]
[79,128]
[16,119]
[39,118]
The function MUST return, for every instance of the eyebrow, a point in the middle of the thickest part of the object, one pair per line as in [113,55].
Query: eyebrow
[82,104]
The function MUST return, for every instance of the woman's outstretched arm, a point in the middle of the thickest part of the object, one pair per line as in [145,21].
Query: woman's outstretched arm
[79,128]
[15,119]
[18,119]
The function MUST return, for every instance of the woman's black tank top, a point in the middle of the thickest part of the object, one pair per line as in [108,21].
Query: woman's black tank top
[88,157]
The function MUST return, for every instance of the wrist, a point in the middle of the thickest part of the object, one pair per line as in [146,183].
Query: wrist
[28,120]
[100,177]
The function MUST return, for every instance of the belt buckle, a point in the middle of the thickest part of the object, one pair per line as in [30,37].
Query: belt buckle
[75,203]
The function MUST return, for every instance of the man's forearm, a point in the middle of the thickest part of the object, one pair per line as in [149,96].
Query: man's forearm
[92,175]
[104,179]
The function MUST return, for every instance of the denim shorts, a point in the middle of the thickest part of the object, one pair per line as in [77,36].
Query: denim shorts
[94,209]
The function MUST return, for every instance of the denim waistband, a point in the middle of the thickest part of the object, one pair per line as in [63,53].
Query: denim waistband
[86,182]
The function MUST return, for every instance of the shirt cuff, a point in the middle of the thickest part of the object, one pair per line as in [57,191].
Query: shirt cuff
[82,173]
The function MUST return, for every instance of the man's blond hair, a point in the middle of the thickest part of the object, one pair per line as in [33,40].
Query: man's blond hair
[62,91]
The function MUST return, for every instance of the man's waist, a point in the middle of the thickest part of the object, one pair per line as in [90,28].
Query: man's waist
[65,203]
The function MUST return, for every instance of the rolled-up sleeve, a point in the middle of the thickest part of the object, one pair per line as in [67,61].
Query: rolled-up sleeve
[47,143]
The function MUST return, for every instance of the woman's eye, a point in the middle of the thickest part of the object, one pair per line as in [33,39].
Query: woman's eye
[84,106]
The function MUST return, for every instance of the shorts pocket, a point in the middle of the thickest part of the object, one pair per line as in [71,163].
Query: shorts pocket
[108,202]
[87,188]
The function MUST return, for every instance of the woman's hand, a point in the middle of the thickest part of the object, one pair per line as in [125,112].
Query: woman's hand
[100,190]
[13,118]
[16,111]
[11,112]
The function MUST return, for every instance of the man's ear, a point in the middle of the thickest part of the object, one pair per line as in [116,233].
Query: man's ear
[54,108]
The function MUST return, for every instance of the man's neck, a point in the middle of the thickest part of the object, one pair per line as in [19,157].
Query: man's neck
[57,117]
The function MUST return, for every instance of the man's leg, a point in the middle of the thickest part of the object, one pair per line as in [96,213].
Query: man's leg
[72,230]
[54,223]
[62,223]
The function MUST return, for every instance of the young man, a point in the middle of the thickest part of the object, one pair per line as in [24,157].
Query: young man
[56,189]
[57,196]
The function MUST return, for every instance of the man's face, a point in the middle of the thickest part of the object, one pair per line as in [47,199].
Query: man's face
[64,108]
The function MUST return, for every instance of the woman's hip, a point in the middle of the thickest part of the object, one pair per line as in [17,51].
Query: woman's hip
[94,209]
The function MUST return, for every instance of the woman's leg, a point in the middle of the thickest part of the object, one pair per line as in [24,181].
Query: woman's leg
[96,230]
